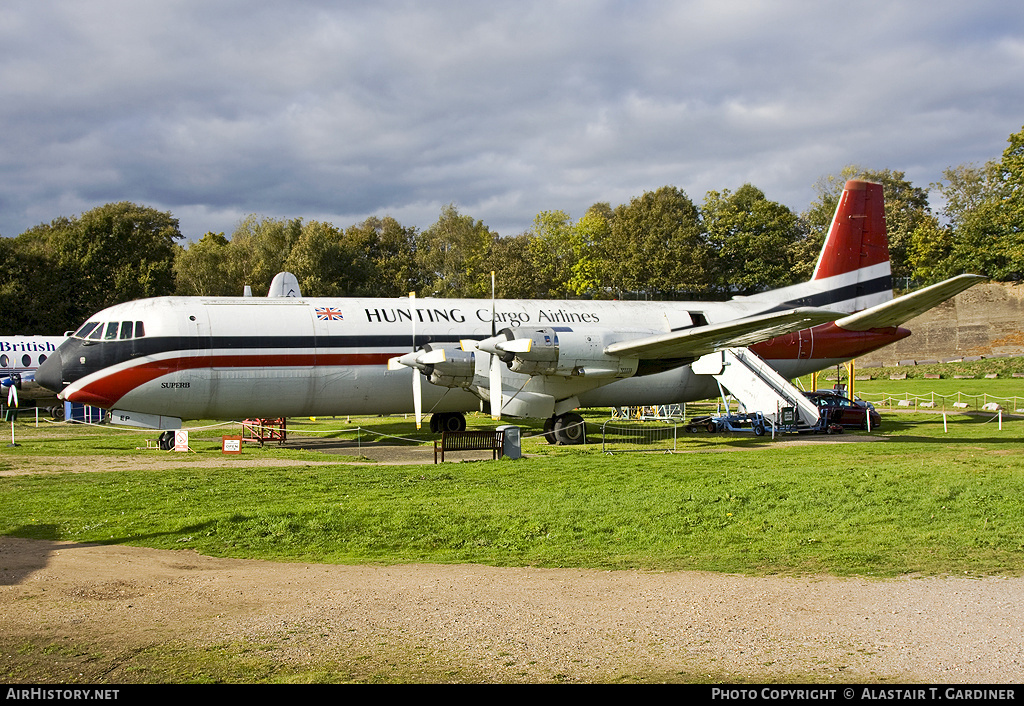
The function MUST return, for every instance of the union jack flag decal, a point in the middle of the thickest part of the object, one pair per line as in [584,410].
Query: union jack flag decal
[328,313]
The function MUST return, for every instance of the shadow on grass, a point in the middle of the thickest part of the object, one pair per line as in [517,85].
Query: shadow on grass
[27,549]
[22,558]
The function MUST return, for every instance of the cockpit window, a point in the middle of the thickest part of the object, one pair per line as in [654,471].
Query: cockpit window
[85,330]
[96,331]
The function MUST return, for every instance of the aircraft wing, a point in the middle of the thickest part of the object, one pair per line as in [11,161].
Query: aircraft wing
[700,340]
[901,309]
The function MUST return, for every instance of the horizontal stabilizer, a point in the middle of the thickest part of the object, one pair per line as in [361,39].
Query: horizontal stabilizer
[699,340]
[903,309]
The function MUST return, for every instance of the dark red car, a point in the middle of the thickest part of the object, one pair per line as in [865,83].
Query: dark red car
[844,411]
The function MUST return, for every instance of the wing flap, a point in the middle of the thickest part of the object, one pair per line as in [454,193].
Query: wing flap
[700,340]
[901,309]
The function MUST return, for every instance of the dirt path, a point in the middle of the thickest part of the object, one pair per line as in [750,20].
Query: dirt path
[476,623]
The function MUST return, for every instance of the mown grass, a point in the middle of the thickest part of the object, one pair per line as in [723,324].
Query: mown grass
[940,383]
[921,498]
[918,500]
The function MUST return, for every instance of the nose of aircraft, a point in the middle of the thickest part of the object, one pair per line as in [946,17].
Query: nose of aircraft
[50,373]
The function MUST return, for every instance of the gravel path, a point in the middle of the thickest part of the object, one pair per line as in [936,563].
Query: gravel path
[477,623]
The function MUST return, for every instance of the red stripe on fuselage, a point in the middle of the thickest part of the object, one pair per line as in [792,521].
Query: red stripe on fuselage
[827,342]
[107,390]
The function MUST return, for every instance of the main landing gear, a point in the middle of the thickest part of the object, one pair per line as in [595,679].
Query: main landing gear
[447,421]
[565,429]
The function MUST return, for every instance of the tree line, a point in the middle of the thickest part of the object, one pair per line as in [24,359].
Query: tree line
[660,245]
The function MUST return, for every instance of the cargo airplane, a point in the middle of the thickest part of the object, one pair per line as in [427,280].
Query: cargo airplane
[154,362]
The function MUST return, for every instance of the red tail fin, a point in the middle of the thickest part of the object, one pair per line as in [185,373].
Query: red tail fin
[857,237]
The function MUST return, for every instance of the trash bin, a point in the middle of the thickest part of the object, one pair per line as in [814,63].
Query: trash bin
[510,447]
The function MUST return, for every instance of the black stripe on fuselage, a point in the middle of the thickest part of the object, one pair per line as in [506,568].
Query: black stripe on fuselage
[115,351]
[848,292]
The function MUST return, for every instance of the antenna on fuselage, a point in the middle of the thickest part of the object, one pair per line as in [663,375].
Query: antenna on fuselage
[284,284]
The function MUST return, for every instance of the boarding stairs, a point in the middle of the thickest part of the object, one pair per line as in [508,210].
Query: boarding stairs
[757,386]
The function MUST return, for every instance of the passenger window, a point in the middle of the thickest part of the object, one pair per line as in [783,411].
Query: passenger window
[26,361]
[4,361]
[111,333]
[139,331]
[42,359]
[126,329]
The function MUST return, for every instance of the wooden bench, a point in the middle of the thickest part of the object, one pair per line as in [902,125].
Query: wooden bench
[492,441]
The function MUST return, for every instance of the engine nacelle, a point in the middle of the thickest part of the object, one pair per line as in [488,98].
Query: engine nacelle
[561,351]
[455,370]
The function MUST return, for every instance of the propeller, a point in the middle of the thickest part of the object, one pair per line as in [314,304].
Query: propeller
[418,360]
[417,381]
[495,367]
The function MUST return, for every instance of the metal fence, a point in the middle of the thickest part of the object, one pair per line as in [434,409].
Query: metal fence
[620,437]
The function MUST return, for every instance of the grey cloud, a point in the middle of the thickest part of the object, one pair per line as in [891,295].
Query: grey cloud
[337,112]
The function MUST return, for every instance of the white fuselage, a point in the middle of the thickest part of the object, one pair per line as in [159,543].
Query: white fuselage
[226,358]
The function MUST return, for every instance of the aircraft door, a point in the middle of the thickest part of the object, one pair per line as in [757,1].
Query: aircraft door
[805,344]
[198,333]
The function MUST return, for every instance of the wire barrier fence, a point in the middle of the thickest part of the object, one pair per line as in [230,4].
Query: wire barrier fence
[933,400]
[653,428]
[617,437]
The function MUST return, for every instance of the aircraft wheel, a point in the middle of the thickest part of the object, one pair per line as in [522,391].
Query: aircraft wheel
[449,421]
[57,412]
[549,430]
[570,429]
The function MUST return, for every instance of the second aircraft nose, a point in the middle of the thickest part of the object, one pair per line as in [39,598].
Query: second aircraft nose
[51,373]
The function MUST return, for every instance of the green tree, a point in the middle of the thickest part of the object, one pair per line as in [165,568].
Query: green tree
[201,269]
[754,239]
[591,230]
[387,251]
[655,247]
[453,256]
[514,270]
[259,248]
[562,254]
[323,263]
[33,298]
[984,210]
[930,248]
[110,254]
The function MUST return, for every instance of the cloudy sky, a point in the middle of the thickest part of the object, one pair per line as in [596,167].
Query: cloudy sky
[216,109]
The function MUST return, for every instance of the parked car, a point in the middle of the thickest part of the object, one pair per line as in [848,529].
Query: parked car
[844,411]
